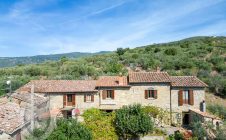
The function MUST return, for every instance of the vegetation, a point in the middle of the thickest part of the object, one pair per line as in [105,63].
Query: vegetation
[101,124]
[217,110]
[204,57]
[163,116]
[21,61]
[70,129]
[131,121]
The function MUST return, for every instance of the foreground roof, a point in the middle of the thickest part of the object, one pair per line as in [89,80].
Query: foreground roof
[205,114]
[26,97]
[57,86]
[149,77]
[187,81]
[112,81]
[11,117]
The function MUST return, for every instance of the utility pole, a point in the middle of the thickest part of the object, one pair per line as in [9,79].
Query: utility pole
[10,89]
[32,107]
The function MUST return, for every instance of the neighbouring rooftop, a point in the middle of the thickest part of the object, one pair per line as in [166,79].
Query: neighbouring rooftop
[26,97]
[149,77]
[187,81]
[11,117]
[112,81]
[56,86]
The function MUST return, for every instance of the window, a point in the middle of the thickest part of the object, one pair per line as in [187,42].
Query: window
[88,98]
[110,94]
[185,96]
[151,94]
[69,98]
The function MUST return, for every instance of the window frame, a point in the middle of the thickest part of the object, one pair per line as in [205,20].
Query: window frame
[151,93]
[109,94]
[185,97]
[88,98]
[69,98]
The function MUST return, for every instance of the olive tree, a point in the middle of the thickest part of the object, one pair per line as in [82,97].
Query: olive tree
[132,121]
[70,129]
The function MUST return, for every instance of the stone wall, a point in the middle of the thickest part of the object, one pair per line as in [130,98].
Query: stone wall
[135,94]
[132,95]
[199,96]
[56,101]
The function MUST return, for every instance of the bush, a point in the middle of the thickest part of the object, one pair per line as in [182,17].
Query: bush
[131,121]
[217,110]
[157,113]
[198,130]
[171,51]
[157,50]
[70,129]
[100,123]
[178,136]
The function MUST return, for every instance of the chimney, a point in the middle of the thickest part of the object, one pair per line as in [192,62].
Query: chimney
[158,69]
[203,108]
[120,80]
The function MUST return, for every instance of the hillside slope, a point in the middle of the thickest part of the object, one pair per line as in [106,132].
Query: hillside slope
[204,57]
[13,61]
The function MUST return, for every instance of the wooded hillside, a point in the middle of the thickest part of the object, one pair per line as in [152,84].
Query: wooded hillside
[204,57]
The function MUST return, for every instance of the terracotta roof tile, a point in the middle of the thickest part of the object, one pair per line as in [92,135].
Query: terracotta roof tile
[205,114]
[112,81]
[187,81]
[58,86]
[26,97]
[11,117]
[148,77]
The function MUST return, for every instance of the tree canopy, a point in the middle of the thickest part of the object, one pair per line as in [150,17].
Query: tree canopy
[132,121]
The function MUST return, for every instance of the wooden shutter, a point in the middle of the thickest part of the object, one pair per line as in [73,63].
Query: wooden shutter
[146,94]
[73,100]
[104,94]
[65,100]
[155,94]
[191,97]
[113,94]
[92,98]
[180,97]
[84,98]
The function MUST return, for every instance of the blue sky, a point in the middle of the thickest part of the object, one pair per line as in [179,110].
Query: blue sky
[34,27]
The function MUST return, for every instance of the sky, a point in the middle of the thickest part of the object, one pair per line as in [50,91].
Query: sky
[41,27]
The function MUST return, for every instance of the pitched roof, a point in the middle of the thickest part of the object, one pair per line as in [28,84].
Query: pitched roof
[26,97]
[148,77]
[59,86]
[112,81]
[205,114]
[11,117]
[187,81]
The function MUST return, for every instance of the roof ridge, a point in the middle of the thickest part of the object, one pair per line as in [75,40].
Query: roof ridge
[183,76]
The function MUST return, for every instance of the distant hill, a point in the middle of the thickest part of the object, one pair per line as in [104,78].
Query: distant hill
[14,61]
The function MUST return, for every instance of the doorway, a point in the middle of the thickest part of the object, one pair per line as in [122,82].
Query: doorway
[186,118]
[69,114]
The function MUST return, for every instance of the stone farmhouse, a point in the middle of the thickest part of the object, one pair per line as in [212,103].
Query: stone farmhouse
[177,94]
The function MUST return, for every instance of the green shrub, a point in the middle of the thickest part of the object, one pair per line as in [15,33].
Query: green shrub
[217,110]
[157,50]
[178,136]
[100,123]
[171,51]
[198,130]
[131,121]
[70,129]
[216,60]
